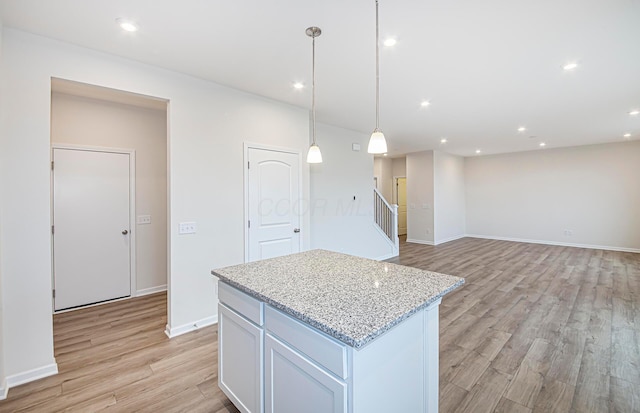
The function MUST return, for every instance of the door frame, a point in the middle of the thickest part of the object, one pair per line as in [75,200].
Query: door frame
[245,175]
[395,196]
[132,210]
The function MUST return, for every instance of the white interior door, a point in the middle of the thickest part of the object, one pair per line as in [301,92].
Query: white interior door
[401,196]
[273,204]
[91,241]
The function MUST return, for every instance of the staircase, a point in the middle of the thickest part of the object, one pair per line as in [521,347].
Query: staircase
[385,217]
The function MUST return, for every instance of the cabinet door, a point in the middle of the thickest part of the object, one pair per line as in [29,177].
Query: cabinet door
[293,384]
[240,355]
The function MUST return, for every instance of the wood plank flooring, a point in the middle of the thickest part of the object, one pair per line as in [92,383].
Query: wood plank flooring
[535,328]
[116,358]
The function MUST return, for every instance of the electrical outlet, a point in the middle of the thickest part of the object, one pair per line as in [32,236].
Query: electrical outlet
[568,233]
[143,219]
[187,228]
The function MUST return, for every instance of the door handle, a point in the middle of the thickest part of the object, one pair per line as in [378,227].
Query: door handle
[296,230]
[125,232]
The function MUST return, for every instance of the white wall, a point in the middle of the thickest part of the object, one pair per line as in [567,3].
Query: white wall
[449,197]
[340,223]
[3,387]
[592,191]
[399,166]
[382,169]
[419,168]
[99,123]
[208,124]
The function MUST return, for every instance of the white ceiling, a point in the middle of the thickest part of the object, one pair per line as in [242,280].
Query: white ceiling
[487,67]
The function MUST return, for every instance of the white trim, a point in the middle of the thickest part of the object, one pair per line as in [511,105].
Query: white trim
[394,190]
[245,176]
[132,207]
[31,375]
[151,290]
[386,256]
[3,390]
[395,248]
[449,239]
[115,300]
[172,332]
[562,244]
[420,241]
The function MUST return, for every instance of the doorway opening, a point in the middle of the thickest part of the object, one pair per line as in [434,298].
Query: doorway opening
[103,140]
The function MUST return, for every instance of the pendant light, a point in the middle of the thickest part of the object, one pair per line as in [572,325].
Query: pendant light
[314,155]
[377,143]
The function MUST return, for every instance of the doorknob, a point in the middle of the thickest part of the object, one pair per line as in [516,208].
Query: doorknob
[296,230]
[125,232]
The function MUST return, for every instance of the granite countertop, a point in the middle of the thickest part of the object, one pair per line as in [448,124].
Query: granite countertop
[350,298]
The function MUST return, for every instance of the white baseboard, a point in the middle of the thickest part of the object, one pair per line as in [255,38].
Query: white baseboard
[172,332]
[152,290]
[31,375]
[438,242]
[420,241]
[561,244]
[3,390]
[387,256]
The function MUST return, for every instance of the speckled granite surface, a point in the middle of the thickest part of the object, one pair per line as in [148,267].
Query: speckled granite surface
[350,298]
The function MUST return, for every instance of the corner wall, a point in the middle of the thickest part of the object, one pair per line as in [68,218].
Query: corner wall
[584,196]
[449,197]
[420,196]
[338,221]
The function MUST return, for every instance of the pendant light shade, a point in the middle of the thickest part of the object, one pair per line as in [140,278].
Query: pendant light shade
[314,155]
[377,142]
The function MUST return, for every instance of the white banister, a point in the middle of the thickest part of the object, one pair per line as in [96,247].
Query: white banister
[386,218]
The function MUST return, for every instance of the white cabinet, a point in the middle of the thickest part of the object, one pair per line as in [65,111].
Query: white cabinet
[294,384]
[271,362]
[240,353]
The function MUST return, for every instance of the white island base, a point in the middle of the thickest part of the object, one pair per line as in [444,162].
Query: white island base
[271,362]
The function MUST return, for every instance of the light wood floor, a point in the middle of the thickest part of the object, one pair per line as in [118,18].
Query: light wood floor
[535,328]
[116,358]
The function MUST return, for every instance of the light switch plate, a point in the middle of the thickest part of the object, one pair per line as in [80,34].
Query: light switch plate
[187,228]
[355,147]
[143,219]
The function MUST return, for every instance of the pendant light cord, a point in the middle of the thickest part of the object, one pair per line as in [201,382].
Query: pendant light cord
[313,86]
[377,72]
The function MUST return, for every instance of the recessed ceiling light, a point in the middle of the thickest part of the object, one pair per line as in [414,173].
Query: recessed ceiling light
[570,66]
[425,103]
[478,151]
[443,140]
[390,42]
[384,154]
[522,129]
[542,144]
[634,112]
[626,135]
[127,25]
[298,85]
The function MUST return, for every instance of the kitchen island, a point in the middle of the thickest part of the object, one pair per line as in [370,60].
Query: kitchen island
[321,331]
